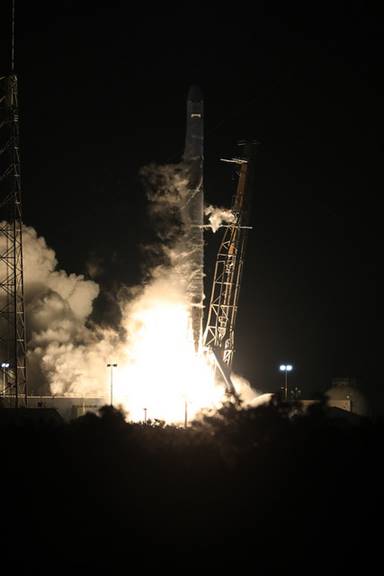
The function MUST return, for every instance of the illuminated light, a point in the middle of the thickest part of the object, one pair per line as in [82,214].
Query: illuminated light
[286,367]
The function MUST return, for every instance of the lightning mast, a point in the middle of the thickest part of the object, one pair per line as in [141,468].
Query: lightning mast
[12,316]
[219,336]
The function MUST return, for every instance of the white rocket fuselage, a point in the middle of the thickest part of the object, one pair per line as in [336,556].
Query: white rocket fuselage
[193,208]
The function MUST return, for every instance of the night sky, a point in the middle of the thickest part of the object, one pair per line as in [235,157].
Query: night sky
[102,93]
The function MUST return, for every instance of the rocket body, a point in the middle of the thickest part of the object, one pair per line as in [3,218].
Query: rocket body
[193,208]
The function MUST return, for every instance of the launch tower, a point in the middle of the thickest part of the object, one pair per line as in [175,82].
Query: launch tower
[12,317]
[219,335]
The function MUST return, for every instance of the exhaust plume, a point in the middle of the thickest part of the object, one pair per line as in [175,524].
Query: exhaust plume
[158,369]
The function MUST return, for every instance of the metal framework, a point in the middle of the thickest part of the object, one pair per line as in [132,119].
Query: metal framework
[219,334]
[12,316]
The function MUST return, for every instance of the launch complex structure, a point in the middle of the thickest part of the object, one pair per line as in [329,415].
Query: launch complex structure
[218,337]
[12,314]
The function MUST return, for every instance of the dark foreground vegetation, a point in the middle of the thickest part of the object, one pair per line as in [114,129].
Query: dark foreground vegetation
[256,486]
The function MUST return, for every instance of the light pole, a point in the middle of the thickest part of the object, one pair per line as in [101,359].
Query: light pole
[186,413]
[4,366]
[111,366]
[286,368]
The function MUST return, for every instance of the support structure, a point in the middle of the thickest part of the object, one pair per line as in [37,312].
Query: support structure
[219,334]
[12,316]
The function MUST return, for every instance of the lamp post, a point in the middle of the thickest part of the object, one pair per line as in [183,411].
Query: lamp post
[186,413]
[111,366]
[286,368]
[4,366]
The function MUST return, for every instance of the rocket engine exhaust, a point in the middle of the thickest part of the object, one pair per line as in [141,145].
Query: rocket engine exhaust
[193,208]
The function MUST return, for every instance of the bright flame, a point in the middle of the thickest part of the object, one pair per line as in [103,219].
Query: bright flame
[162,375]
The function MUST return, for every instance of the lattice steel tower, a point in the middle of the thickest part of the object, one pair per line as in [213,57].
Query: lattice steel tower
[12,316]
[219,334]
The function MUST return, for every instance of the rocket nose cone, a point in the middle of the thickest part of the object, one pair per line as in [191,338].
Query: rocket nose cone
[195,94]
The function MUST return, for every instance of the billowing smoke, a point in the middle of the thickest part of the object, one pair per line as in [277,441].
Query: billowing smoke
[218,216]
[249,396]
[157,367]
[66,352]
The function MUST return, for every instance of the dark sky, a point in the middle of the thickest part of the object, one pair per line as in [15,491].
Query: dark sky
[102,92]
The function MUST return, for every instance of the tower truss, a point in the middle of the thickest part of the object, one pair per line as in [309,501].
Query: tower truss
[219,334]
[12,315]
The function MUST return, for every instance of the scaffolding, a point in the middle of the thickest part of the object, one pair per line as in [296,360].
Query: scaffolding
[12,314]
[219,335]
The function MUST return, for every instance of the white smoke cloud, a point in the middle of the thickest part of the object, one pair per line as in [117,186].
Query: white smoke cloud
[66,353]
[218,216]
[40,272]
[249,396]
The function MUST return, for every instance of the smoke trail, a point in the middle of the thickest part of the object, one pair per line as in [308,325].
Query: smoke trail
[167,192]
[218,216]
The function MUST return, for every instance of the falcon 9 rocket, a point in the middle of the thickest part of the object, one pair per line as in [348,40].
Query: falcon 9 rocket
[193,208]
